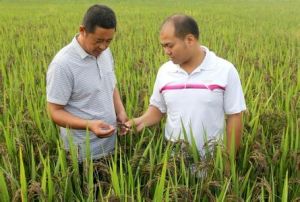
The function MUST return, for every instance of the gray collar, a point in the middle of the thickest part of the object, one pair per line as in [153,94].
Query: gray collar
[83,54]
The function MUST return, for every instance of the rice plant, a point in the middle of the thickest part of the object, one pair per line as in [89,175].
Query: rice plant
[261,38]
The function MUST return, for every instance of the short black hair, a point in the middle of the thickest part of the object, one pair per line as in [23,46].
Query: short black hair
[101,16]
[183,25]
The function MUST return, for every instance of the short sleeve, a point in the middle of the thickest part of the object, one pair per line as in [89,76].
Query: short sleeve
[157,99]
[113,69]
[59,84]
[111,60]
[234,101]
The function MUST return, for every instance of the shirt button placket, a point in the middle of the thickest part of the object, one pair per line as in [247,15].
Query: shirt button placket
[187,79]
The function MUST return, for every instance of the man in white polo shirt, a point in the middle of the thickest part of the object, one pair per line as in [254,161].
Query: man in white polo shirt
[81,86]
[196,89]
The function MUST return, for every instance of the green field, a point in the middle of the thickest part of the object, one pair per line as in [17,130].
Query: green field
[261,38]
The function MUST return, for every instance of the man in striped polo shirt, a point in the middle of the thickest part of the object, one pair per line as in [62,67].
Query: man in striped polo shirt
[81,86]
[196,89]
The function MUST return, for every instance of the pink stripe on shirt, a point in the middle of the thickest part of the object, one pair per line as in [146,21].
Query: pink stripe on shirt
[191,86]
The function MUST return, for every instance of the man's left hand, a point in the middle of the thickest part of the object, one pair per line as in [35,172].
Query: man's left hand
[122,119]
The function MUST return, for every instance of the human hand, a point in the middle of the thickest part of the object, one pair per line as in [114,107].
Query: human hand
[100,128]
[121,119]
[136,123]
[123,128]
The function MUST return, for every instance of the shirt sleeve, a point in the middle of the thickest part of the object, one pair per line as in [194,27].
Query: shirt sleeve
[234,101]
[113,67]
[59,84]
[157,100]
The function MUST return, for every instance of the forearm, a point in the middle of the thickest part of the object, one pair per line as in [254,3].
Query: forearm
[234,128]
[65,119]
[151,117]
[119,107]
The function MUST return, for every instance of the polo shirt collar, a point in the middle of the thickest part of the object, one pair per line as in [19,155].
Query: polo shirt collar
[176,68]
[207,64]
[83,54]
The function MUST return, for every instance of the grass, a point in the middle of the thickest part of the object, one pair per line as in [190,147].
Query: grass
[260,38]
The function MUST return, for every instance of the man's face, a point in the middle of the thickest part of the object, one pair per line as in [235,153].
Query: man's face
[176,48]
[96,42]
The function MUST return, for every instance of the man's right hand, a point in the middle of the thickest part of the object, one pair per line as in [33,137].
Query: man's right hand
[100,128]
[65,119]
[152,116]
[135,122]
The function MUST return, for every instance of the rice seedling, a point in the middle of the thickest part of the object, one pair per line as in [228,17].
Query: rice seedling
[260,39]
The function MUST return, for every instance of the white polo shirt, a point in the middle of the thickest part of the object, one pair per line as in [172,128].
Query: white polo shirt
[198,101]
